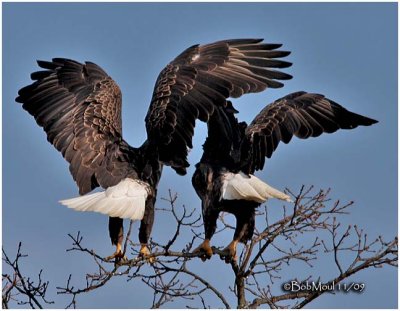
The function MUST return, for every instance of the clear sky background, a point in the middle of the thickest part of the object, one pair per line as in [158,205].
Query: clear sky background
[347,52]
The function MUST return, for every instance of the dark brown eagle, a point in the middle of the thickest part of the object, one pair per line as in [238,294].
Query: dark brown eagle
[79,108]
[224,177]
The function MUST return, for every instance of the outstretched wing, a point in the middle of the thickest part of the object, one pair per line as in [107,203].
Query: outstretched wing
[201,79]
[301,114]
[79,108]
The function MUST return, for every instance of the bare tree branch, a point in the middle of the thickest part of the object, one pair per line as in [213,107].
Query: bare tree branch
[21,289]
[257,274]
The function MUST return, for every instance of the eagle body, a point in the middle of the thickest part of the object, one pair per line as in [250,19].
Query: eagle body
[224,179]
[79,107]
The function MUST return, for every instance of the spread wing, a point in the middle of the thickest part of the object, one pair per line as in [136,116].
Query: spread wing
[201,79]
[79,108]
[300,114]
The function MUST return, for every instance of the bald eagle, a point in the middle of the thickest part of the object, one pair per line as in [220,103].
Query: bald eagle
[79,107]
[224,178]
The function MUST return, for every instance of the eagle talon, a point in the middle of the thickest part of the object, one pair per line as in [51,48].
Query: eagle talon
[205,249]
[204,258]
[118,255]
[229,253]
[146,254]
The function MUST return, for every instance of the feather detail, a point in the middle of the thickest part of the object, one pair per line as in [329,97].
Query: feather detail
[250,188]
[127,199]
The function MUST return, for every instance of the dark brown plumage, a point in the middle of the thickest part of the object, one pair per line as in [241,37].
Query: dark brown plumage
[79,107]
[242,150]
[298,114]
[201,79]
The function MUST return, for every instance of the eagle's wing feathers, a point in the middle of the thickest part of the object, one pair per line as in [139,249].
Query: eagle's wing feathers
[79,107]
[300,114]
[201,79]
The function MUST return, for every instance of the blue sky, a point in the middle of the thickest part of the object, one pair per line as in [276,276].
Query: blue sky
[347,52]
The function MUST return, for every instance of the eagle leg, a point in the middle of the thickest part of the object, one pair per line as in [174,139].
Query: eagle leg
[205,250]
[116,230]
[245,221]
[146,226]
[210,217]
[229,253]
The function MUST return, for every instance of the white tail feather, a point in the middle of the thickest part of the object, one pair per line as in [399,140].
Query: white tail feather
[242,187]
[127,199]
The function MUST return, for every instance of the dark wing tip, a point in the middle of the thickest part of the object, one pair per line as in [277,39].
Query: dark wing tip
[350,119]
[273,84]
[23,93]
[39,75]
[46,65]
[367,121]
[272,46]
[62,60]
[285,76]
[355,119]
[242,41]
